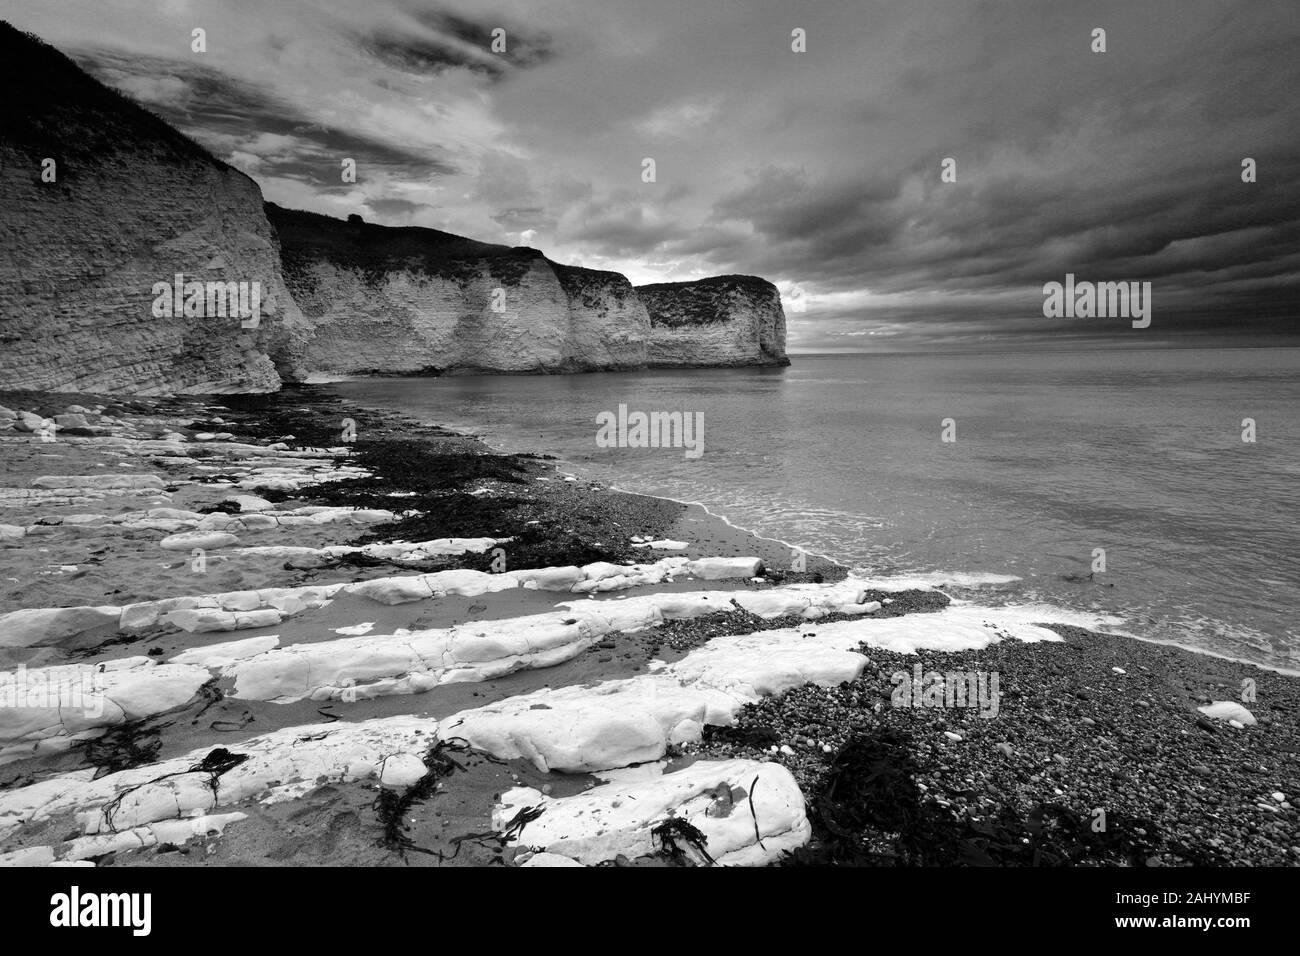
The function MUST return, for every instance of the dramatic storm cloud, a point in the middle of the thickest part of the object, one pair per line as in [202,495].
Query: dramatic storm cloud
[819,170]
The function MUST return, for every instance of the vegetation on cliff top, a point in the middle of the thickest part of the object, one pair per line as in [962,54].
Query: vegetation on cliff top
[374,250]
[702,302]
[52,107]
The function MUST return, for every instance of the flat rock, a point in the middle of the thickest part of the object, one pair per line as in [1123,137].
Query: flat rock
[760,819]
[32,627]
[207,540]
[99,481]
[282,765]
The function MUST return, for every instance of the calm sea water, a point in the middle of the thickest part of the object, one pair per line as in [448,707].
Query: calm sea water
[1139,453]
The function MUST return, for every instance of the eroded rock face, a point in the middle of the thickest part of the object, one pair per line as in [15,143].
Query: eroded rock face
[413,300]
[723,320]
[384,299]
[129,203]
[132,203]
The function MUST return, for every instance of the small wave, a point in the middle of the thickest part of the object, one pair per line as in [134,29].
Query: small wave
[933,579]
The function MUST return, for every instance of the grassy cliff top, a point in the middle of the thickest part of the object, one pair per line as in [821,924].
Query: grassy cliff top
[52,107]
[307,237]
[711,284]
[703,301]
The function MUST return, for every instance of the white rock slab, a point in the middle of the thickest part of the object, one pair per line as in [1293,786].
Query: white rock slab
[578,729]
[208,540]
[99,482]
[751,813]
[33,627]
[281,765]
[388,664]
[40,704]
[227,653]
[963,627]
[37,626]
[251,503]
[177,832]
[664,544]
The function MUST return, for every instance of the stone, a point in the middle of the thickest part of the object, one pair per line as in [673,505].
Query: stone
[617,819]
[401,771]
[27,422]
[99,482]
[214,656]
[251,503]
[281,765]
[32,627]
[207,540]
[68,700]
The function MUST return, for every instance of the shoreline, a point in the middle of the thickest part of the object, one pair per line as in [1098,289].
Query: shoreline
[577,469]
[1151,717]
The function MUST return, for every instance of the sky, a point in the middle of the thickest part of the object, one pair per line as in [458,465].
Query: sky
[818,169]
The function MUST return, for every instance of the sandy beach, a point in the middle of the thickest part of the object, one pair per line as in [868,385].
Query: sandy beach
[295,715]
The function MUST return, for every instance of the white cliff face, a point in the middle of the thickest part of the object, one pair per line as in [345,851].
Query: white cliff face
[724,320]
[78,263]
[418,300]
[608,324]
[404,321]
[131,204]
[385,300]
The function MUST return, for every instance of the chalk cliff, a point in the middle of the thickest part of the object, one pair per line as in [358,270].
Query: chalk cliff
[128,202]
[101,201]
[414,300]
[387,299]
[722,320]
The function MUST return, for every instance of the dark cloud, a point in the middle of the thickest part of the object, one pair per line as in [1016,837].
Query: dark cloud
[231,116]
[467,41]
[622,223]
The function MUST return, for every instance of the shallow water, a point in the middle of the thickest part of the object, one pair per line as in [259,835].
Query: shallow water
[1139,453]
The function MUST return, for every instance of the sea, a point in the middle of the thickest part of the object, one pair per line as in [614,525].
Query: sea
[1161,486]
